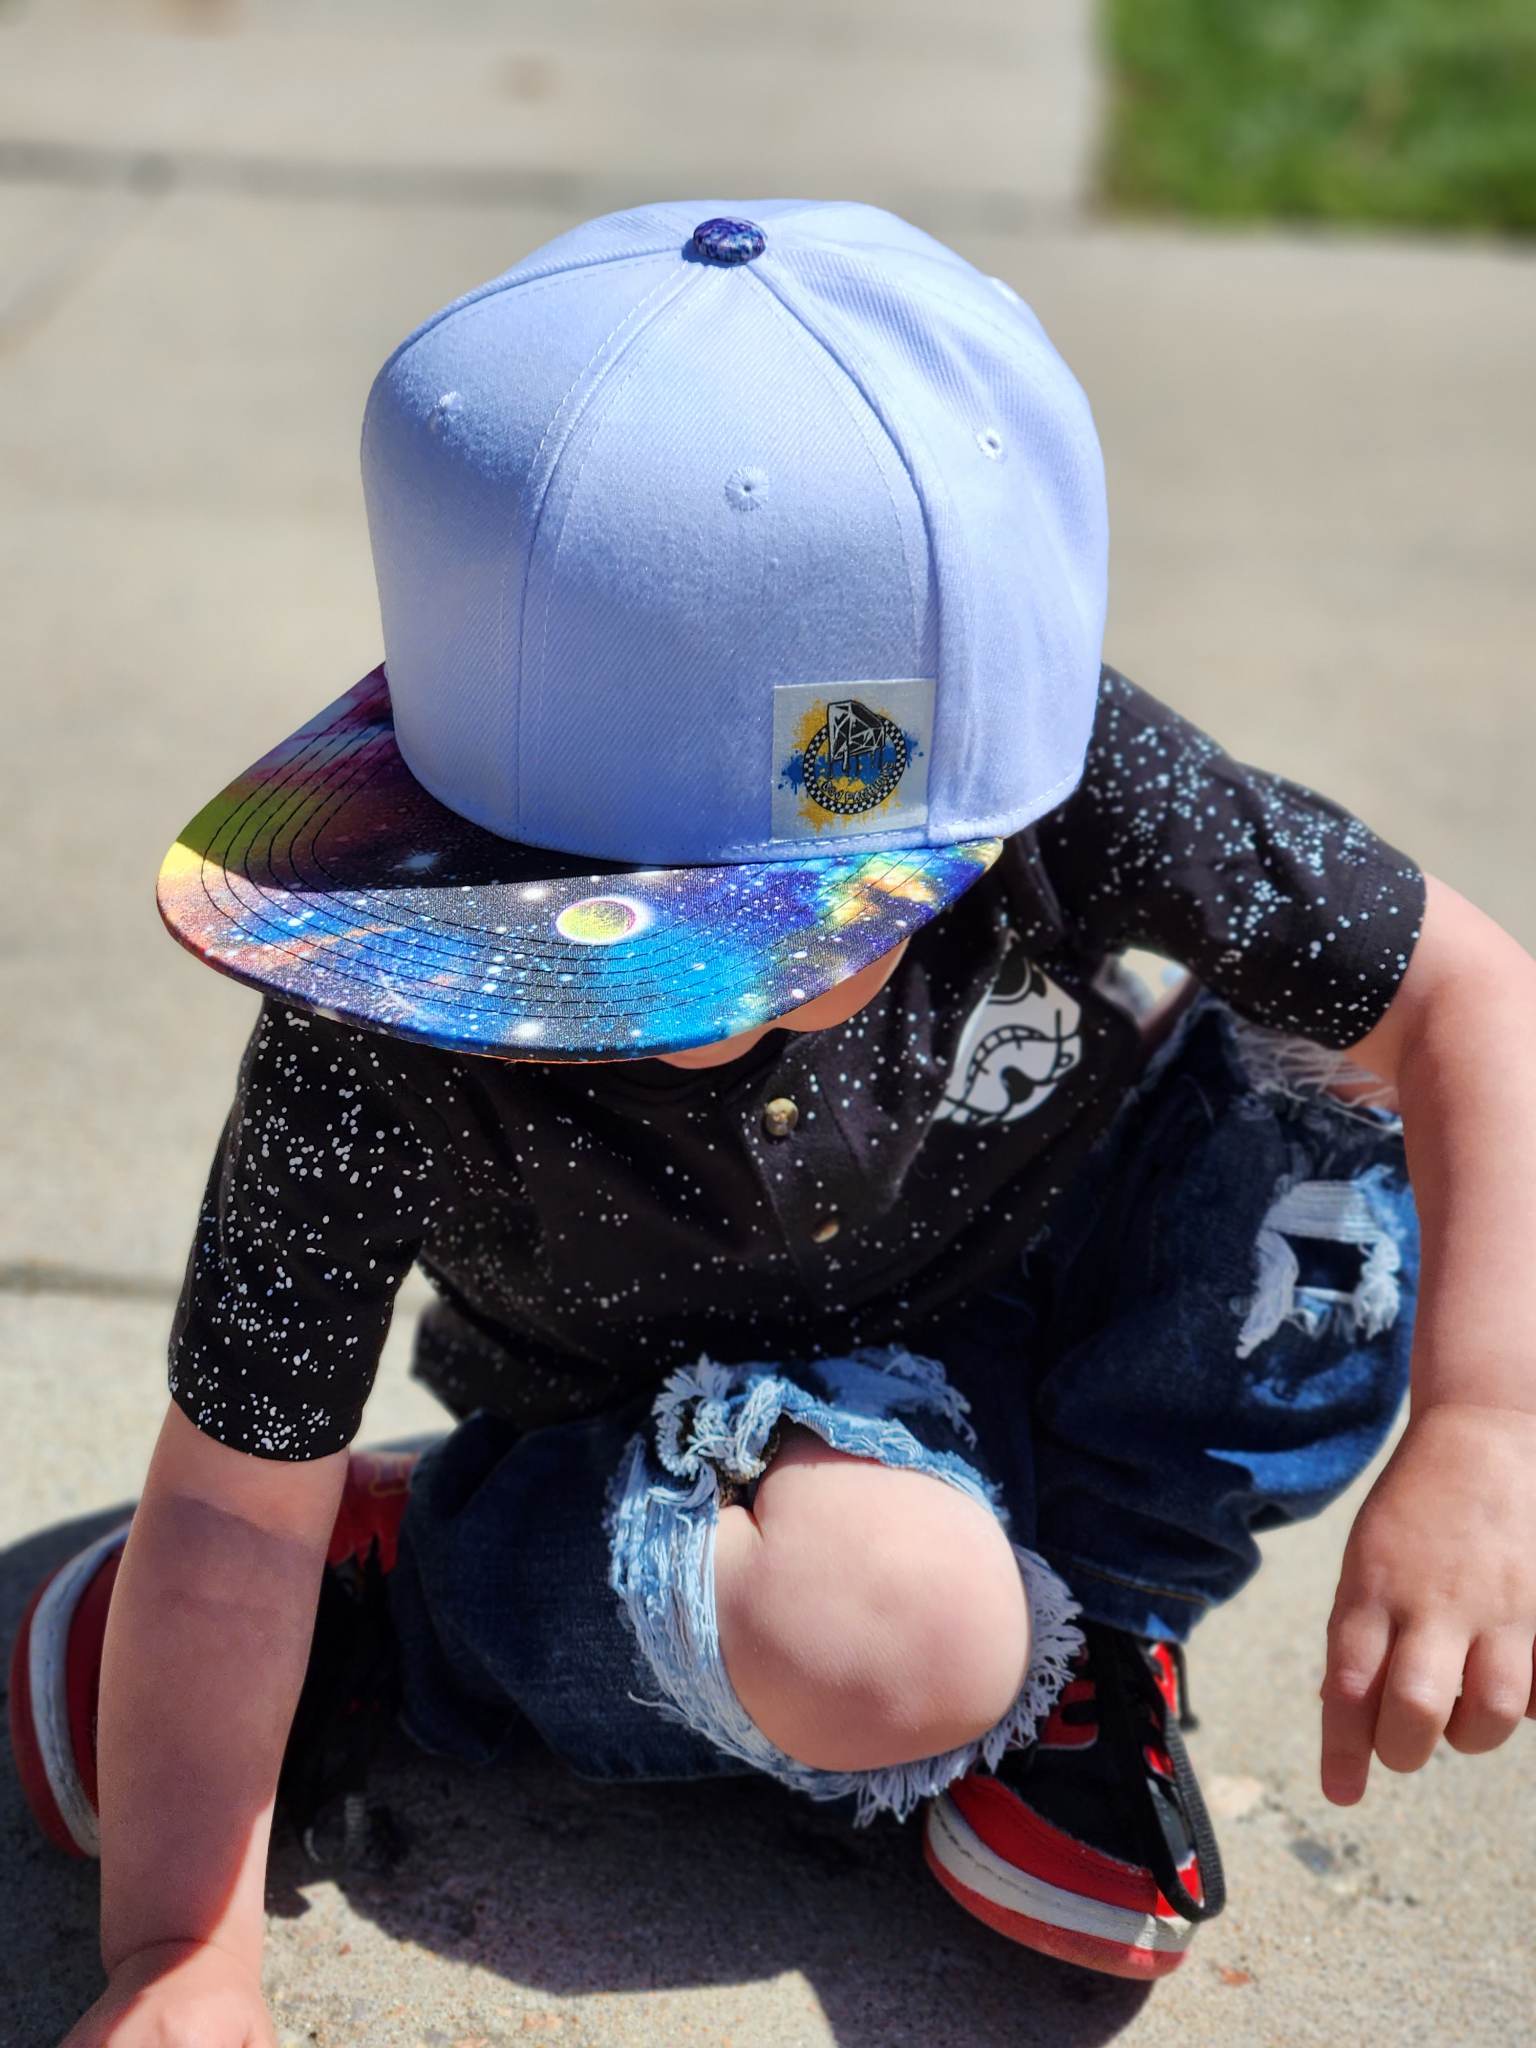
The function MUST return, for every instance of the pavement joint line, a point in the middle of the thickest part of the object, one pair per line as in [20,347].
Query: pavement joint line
[38,161]
[31,299]
[80,1283]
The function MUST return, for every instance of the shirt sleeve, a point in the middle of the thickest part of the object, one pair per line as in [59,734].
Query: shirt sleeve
[317,1202]
[1281,901]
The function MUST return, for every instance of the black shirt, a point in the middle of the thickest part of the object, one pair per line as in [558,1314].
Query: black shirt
[589,1227]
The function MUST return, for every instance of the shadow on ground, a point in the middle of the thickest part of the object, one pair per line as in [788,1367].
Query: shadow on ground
[569,1888]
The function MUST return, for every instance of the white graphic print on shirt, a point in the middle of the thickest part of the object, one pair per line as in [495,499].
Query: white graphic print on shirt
[1018,1042]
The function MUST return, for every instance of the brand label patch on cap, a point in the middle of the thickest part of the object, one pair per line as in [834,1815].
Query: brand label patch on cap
[850,757]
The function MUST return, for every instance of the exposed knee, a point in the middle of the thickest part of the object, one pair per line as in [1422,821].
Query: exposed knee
[868,1616]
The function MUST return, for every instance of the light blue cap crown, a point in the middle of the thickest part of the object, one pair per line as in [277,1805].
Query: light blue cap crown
[784,539]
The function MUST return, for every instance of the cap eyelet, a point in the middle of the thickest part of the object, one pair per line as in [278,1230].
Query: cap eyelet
[990,442]
[745,489]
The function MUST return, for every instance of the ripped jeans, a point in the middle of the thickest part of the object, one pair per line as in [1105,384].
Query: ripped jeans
[1210,1340]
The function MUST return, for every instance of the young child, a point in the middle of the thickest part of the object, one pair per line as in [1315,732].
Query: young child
[875,1349]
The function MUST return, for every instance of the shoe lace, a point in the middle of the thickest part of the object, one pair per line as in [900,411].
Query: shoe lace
[1129,1697]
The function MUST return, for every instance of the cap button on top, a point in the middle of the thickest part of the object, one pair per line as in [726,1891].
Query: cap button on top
[780,1117]
[729,241]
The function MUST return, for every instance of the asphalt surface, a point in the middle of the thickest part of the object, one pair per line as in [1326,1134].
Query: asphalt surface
[215,220]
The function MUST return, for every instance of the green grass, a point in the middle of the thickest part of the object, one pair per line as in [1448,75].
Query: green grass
[1417,112]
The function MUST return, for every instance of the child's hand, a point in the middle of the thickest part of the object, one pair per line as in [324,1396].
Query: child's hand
[1437,1597]
[177,1995]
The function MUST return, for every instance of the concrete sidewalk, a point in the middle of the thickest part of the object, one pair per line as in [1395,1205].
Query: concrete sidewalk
[215,219]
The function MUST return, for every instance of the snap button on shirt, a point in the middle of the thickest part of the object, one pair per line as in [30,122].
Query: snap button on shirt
[780,1117]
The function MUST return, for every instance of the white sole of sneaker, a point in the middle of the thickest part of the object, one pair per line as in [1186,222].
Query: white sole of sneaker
[47,1677]
[955,1846]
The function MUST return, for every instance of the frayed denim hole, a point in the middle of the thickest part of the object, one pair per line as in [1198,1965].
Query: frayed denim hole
[662,1527]
[1324,1219]
[1327,1268]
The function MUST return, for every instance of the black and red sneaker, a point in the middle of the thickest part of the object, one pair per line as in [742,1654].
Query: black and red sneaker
[54,1680]
[1091,1843]
[55,1671]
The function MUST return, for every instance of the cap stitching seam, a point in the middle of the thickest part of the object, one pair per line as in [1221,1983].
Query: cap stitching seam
[850,359]
[982,316]
[1027,366]
[499,287]
[861,415]
[1043,802]
[872,252]
[664,212]
[984,313]
[464,308]
[798,212]
[537,520]
[628,377]
[858,367]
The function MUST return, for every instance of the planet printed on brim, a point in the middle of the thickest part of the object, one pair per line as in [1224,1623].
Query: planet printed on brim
[602,920]
[327,876]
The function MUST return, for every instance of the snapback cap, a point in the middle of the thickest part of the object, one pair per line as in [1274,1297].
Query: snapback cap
[742,573]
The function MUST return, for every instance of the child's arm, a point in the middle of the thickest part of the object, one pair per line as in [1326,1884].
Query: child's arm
[1438,1589]
[206,1647]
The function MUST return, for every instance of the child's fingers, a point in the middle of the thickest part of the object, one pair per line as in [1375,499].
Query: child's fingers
[1419,1695]
[1359,1642]
[1495,1692]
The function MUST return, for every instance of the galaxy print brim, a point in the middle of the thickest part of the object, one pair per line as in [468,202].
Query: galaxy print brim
[328,877]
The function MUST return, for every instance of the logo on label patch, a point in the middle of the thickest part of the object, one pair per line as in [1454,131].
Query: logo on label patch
[851,758]
[856,760]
